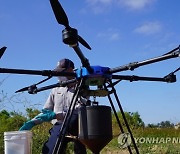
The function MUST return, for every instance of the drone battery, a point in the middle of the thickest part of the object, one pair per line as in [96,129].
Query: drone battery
[95,127]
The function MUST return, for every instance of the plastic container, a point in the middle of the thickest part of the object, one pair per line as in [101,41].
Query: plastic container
[18,142]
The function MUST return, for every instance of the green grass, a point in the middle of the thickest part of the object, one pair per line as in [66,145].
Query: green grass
[40,134]
[163,138]
[166,141]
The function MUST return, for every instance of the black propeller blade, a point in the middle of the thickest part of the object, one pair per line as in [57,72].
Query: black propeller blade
[83,42]
[59,13]
[2,50]
[62,19]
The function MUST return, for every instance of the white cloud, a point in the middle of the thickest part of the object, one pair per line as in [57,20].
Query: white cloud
[135,4]
[98,9]
[94,2]
[114,36]
[110,34]
[149,28]
[99,6]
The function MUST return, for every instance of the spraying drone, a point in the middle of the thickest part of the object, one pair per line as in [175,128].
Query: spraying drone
[103,78]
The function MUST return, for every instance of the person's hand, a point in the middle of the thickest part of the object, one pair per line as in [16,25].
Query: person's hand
[27,125]
[46,115]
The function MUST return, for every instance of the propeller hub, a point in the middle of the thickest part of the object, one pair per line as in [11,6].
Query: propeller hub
[70,36]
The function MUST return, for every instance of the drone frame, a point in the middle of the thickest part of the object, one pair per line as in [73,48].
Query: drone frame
[88,75]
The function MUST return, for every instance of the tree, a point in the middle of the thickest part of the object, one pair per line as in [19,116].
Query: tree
[31,113]
[10,121]
[137,121]
[133,119]
[152,125]
[165,124]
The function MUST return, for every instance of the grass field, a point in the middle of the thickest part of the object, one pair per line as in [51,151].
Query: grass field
[149,141]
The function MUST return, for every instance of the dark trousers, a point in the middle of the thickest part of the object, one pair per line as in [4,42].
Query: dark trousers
[48,147]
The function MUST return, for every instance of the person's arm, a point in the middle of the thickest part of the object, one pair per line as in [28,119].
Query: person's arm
[46,115]
[28,125]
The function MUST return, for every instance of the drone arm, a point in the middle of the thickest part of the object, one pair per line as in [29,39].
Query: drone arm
[84,60]
[36,72]
[131,66]
[174,54]
[20,71]
[35,90]
[170,78]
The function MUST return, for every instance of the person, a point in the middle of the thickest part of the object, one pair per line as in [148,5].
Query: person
[55,110]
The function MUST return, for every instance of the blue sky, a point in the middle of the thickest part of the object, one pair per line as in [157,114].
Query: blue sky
[119,32]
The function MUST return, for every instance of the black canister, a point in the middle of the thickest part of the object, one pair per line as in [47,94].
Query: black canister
[95,127]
